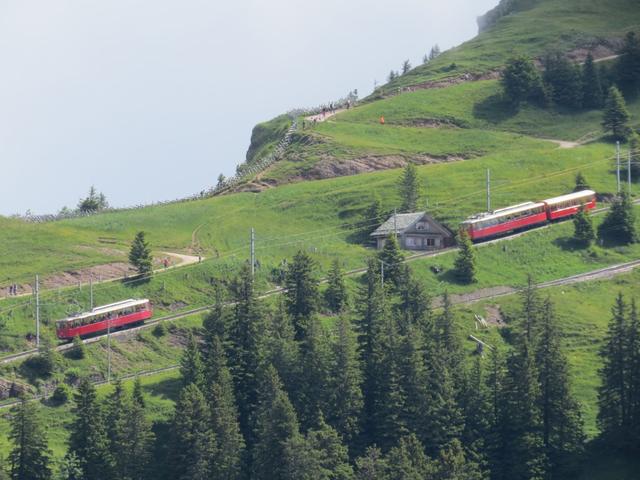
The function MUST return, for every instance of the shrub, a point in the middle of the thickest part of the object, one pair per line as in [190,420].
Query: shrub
[78,351]
[72,375]
[159,330]
[61,394]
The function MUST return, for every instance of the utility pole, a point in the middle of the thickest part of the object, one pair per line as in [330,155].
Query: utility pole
[629,171]
[37,312]
[488,190]
[395,223]
[253,252]
[382,273]
[90,293]
[108,350]
[618,164]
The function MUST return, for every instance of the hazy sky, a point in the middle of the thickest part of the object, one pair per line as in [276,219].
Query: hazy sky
[152,99]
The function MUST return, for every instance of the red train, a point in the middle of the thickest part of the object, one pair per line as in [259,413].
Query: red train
[100,319]
[526,215]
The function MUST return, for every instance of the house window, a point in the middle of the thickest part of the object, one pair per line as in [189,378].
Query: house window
[431,242]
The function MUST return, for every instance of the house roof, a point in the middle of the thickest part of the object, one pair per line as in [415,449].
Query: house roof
[398,222]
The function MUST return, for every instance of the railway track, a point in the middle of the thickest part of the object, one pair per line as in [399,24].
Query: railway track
[615,270]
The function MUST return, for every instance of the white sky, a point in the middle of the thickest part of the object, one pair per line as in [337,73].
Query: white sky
[152,99]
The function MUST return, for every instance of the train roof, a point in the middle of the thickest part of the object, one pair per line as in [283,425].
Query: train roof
[111,307]
[523,207]
[570,196]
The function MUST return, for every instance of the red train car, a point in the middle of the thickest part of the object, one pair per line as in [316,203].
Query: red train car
[100,319]
[505,220]
[568,205]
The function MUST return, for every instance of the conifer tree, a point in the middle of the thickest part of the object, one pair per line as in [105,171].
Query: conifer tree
[633,372]
[392,258]
[230,447]
[336,293]
[564,79]
[524,456]
[30,457]
[137,395]
[406,67]
[117,410]
[407,461]
[372,465]
[447,336]
[276,426]
[521,80]
[615,119]
[193,442]
[332,456]
[628,64]
[373,217]
[140,442]
[477,409]
[465,264]
[140,254]
[409,188]
[383,394]
[88,439]
[371,306]
[191,367]
[316,355]
[591,84]
[613,403]
[584,233]
[530,311]
[215,323]
[68,468]
[283,352]
[581,183]
[302,291]
[345,383]
[414,308]
[245,351]
[496,439]
[620,224]
[454,464]
[562,426]
[634,147]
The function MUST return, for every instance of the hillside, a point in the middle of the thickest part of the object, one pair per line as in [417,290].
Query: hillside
[450,119]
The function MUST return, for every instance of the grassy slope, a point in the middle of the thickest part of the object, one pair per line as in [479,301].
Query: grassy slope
[552,24]
[265,136]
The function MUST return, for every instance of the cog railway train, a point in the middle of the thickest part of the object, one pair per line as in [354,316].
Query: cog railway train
[526,215]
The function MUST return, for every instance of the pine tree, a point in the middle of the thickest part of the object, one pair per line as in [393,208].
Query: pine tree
[496,439]
[435,52]
[215,323]
[373,217]
[613,402]
[477,409]
[137,395]
[619,224]
[393,259]
[407,461]
[591,85]
[615,119]
[283,352]
[632,348]
[332,456]
[88,439]
[302,291]
[628,64]
[584,233]
[314,390]
[465,264]
[140,254]
[30,456]
[454,464]
[581,183]
[228,456]
[276,425]
[565,81]
[447,336]
[345,383]
[192,442]
[530,311]
[634,148]
[191,367]
[68,468]
[562,426]
[521,81]
[406,67]
[245,351]
[372,466]
[524,456]
[140,441]
[409,188]
[414,308]
[336,293]
[118,410]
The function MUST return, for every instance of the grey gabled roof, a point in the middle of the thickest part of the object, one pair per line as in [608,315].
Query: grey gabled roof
[401,223]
